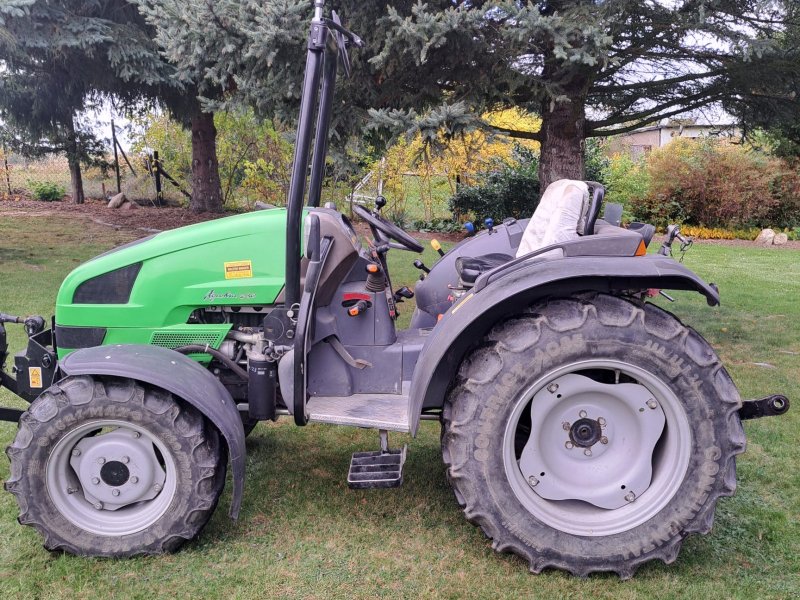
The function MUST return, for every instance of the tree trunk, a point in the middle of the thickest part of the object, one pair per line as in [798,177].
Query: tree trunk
[206,187]
[74,161]
[563,132]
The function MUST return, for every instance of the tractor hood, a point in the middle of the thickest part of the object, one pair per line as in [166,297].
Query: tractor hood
[159,281]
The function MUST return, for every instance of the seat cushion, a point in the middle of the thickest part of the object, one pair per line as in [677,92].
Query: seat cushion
[559,217]
[469,268]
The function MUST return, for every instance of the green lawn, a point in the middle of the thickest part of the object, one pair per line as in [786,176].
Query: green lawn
[303,533]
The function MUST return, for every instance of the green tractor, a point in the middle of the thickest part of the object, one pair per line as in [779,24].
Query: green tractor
[583,427]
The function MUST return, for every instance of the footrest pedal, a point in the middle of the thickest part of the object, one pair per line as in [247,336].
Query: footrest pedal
[379,469]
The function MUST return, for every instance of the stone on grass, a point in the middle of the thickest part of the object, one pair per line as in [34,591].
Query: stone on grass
[765,237]
[117,201]
[780,239]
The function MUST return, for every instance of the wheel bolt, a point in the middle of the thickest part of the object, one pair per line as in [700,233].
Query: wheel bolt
[157,487]
[115,492]
[552,388]
[582,414]
[136,434]
[134,479]
[101,460]
[601,420]
[652,404]
[126,459]
[604,440]
[565,425]
[96,480]
[569,445]
[532,481]
[98,505]
[587,452]
[630,497]
[76,452]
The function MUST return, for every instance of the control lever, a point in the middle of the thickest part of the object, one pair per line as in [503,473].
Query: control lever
[403,293]
[421,266]
[380,202]
[489,222]
[437,246]
[359,307]
[674,233]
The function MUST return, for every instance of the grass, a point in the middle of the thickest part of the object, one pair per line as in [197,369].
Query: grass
[303,533]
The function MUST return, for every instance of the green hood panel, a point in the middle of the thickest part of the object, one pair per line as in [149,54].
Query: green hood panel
[185,269]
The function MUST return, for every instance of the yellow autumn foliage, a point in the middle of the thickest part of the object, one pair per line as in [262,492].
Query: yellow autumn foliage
[461,158]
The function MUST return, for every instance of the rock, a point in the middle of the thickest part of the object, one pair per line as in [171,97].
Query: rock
[765,237]
[780,239]
[117,201]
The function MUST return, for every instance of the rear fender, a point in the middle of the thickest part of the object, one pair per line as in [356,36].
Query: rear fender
[179,375]
[500,294]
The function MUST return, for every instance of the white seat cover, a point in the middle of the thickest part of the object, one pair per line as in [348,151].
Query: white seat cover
[560,216]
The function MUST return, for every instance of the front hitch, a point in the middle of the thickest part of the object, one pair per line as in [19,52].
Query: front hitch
[770,406]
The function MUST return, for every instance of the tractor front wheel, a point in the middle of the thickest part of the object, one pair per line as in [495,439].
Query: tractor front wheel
[110,467]
[592,434]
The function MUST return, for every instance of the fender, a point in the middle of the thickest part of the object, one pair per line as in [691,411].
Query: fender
[505,291]
[183,377]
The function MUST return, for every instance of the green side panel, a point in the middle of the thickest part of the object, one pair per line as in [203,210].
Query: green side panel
[182,270]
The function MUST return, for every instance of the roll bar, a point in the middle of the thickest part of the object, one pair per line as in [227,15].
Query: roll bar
[327,41]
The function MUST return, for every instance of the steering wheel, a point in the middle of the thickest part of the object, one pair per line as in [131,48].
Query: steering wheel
[389,229]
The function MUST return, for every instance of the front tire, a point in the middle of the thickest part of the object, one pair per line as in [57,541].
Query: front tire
[640,464]
[110,467]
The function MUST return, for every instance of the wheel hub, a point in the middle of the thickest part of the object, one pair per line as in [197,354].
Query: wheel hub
[117,469]
[606,456]
[585,432]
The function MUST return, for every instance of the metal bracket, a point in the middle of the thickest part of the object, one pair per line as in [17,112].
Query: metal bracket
[770,406]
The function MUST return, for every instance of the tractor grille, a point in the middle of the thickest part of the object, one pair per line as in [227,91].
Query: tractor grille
[176,339]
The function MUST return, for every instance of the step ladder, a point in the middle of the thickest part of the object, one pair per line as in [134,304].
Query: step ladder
[379,469]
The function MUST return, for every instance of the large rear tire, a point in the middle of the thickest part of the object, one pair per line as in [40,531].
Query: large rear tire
[592,434]
[110,467]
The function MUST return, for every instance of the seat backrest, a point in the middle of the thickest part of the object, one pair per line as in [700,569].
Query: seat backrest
[560,217]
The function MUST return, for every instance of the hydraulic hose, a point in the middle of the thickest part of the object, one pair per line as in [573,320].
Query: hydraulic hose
[228,362]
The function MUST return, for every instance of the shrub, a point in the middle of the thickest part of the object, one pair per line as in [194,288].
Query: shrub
[510,191]
[627,181]
[46,190]
[706,182]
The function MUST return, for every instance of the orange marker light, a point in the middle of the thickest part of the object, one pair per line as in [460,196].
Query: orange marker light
[641,250]
[372,268]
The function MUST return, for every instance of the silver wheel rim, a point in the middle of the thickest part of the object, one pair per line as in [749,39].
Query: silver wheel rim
[111,477]
[670,455]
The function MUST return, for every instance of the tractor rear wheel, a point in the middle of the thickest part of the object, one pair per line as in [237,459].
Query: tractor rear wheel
[110,467]
[592,434]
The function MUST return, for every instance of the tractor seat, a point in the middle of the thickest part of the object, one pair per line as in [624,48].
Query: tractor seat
[566,211]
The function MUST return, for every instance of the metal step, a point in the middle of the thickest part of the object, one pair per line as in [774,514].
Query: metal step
[380,469]
[374,411]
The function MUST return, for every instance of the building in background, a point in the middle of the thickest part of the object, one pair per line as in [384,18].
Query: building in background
[640,142]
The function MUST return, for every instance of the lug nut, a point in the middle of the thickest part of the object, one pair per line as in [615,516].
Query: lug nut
[587,452]
[98,505]
[569,445]
[136,434]
[134,479]
[565,425]
[101,460]
[76,452]
[604,440]
[157,487]
[552,388]
[115,492]
[630,497]
[126,459]
[652,404]
[532,481]
[96,480]
[582,414]
[602,421]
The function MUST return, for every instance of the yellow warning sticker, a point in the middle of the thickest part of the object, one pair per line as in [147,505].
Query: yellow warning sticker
[238,269]
[35,377]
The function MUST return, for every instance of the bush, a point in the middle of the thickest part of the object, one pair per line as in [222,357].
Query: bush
[46,190]
[706,182]
[627,181]
[510,191]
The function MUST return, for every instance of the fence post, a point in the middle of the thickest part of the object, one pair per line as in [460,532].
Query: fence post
[159,192]
[116,157]
[5,163]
